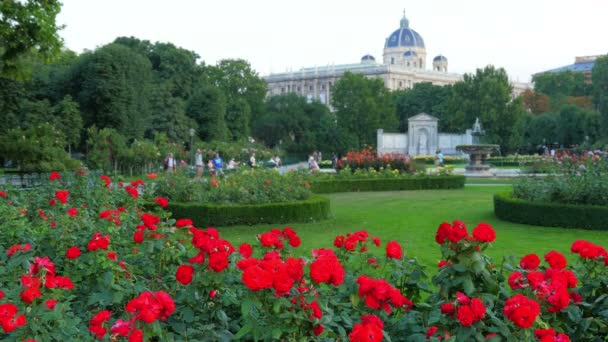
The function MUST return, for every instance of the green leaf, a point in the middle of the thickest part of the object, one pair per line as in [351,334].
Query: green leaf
[244,331]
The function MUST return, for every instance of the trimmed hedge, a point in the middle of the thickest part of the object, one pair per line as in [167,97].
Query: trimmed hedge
[511,209]
[389,184]
[204,215]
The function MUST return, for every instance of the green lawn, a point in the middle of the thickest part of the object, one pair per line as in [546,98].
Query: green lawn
[412,217]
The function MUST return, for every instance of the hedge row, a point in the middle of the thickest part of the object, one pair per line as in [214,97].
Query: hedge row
[389,184]
[511,209]
[204,215]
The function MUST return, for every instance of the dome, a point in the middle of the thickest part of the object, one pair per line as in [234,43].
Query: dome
[410,54]
[404,37]
[440,58]
[368,59]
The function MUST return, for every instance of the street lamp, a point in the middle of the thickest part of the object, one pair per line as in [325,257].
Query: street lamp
[192,131]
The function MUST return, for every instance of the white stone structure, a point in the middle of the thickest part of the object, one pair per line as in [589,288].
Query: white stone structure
[404,64]
[422,138]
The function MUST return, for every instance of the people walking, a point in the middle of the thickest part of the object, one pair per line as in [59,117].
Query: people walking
[198,161]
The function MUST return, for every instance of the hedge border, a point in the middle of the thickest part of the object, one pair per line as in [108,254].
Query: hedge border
[389,184]
[511,209]
[204,215]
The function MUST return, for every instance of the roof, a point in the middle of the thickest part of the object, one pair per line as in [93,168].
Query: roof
[423,117]
[576,67]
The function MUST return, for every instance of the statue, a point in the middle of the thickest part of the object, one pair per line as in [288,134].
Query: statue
[422,144]
[476,126]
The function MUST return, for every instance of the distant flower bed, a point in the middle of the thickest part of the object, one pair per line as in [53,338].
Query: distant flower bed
[369,159]
[247,186]
[572,180]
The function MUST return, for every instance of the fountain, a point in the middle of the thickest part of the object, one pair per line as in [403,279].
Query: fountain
[478,153]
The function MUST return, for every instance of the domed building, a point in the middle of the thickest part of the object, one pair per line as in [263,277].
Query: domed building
[403,65]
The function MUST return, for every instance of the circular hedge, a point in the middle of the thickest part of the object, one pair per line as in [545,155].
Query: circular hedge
[205,215]
[509,208]
[389,184]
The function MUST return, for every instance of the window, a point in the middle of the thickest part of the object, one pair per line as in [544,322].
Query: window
[288,88]
[310,88]
[392,60]
[323,87]
[299,88]
[400,84]
[282,89]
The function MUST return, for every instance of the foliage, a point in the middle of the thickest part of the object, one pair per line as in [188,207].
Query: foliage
[487,95]
[536,103]
[600,90]
[554,214]
[94,250]
[314,208]
[565,83]
[27,26]
[240,151]
[246,186]
[383,183]
[207,106]
[37,149]
[424,98]
[431,159]
[362,106]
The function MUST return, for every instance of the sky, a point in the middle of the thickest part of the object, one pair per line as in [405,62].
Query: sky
[522,36]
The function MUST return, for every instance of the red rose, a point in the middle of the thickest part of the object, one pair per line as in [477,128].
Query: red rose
[161,201]
[213,294]
[431,331]
[530,262]
[556,260]
[112,256]
[465,315]
[484,233]
[245,250]
[72,212]
[516,280]
[62,195]
[136,336]
[106,180]
[394,250]
[376,241]
[72,253]
[448,309]
[318,329]
[50,303]
[183,223]
[521,310]
[138,236]
[54,176]
[479,310]
[369,330]
[184,274]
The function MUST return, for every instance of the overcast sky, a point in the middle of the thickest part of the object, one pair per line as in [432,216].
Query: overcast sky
[523,36]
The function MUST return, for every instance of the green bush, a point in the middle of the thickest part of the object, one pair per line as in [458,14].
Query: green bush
[511,209]
[203,215]
[388,184]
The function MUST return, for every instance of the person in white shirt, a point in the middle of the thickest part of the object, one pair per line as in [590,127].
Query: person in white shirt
[198,161]
[170,164]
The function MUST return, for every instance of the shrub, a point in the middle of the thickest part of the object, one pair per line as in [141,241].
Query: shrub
[513,209]
[388,184]
[312,209]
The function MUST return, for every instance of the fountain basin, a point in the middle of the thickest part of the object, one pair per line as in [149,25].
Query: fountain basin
[478,154]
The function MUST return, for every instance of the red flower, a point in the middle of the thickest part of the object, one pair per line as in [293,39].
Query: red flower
[54,176]
[62,195]
[150,306]
[257,278]
[431,331]
[379,294]
[556,260]
[183,223]
[121,328]
[318,329]
[448,309]
[458,231]
[73,253]
[152,175]
[484,233]
[521,310]
[112,256]
[326,268]
[184,274]
[138,236]
[72,212]
[516,280]
[3,194]
[18,248]
[161,201]
[369,330]
[465,315]
[132,191]
[136,336]
[394,250]
[8,317]
[212,294]
[50,303]
[99,242]
[106,180]
[100,317]
[376,241]
[530,262]
[245,250]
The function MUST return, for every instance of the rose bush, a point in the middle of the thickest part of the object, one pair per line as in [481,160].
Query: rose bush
[112,271]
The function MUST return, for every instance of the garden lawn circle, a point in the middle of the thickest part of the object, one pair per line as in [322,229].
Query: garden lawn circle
[509,208]
[389,184]
[315,208]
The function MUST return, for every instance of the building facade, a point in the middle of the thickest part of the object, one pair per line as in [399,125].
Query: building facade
[582,64]
[403,65]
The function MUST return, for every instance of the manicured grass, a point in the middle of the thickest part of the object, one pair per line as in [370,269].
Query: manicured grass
[412,217]
[489,181]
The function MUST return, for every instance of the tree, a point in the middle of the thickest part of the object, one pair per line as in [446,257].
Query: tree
[168,116]
[599,77]
[38,149]
[113,86]
[362,105]
[535,102]
[487,95]
[105,148]
[423,98]
[207,106]
[245,92]
[68,120]
[11,94]
[25,26]
[565,83]
[577,125]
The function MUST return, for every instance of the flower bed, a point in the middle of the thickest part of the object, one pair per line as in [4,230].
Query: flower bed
[312,209]
[388,184]
[85,261]
[369,159]
[509,208]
